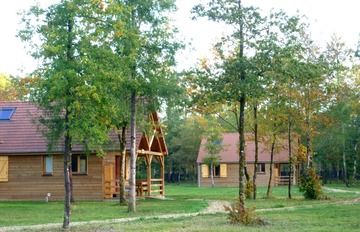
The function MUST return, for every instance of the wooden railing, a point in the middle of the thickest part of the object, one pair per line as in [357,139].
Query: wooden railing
[281,180]
[157,186]
[112,189]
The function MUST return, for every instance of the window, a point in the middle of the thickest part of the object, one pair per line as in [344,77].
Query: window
[216,170]
[219,170]
[79,164]
[260,168]
[6,113]
[47,165]
[4,165]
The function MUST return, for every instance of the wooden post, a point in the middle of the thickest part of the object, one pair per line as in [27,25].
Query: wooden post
[161,158]
[148,162]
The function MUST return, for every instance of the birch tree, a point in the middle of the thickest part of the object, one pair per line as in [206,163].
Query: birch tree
[144,40]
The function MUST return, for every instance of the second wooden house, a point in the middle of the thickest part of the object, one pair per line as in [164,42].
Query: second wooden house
[227,172]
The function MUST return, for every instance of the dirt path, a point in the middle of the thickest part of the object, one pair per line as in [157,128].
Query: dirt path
[340,190]
[214,207]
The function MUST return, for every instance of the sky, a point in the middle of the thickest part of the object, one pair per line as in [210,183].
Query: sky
[325,17]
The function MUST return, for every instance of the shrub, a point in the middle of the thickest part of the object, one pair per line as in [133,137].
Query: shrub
[245,217]
[249,190]
[310,185]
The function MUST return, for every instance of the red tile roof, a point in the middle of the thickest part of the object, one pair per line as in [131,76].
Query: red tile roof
[230,152]
[20,133]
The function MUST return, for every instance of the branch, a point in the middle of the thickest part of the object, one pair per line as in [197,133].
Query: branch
[228,122]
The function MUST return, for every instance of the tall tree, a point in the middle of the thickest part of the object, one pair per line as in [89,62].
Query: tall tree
[341,116]
[69,83]
[276,43]
[244,62]
[231,72]
[144,39]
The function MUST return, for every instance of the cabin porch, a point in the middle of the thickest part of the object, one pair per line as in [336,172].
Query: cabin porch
[142,187]
[282,174]
[147,185]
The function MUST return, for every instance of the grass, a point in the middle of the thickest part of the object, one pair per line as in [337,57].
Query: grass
[296,214]
[317,218]
[32,213]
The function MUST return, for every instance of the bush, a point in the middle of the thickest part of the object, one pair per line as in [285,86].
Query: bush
[245,217]
[310,185]
[249,190]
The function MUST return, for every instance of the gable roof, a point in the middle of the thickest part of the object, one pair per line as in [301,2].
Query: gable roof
[230,152]
[20,134]
[155,141]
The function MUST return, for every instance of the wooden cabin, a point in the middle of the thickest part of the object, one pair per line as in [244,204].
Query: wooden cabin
[227,172]
[28,171]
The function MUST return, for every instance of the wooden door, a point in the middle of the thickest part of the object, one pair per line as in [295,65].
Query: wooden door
[109,181]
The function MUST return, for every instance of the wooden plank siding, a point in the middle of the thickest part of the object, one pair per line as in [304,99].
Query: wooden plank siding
[27,182]
[23,146]
[232,176]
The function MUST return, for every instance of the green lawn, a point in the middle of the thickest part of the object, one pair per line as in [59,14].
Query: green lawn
[296,214]
[326,218]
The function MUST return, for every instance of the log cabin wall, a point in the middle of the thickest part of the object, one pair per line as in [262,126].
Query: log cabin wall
[232,176]
[27,182]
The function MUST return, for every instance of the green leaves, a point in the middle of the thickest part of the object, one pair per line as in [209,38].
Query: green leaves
[75,65]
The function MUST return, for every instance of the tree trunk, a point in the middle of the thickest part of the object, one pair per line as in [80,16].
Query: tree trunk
[241,127]
[212,174]
[122,140]
[346,176]
[355,164]
[72,199]
[271,166]
[67,163]
[256,150]
[308,132]
[242,155]
[132,181]
[290,159]
[67,142]
[247,176]
[133,154]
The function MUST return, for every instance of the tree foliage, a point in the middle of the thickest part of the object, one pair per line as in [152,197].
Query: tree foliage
[95,56]
[183,138]
[310,185]
[248,65]
[8,90]
[213,146]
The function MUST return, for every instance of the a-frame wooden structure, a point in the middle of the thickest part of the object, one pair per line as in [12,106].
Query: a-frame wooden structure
[152,146]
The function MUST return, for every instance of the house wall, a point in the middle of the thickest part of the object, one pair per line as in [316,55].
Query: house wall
[232,177]
[26,180]
[110,159]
